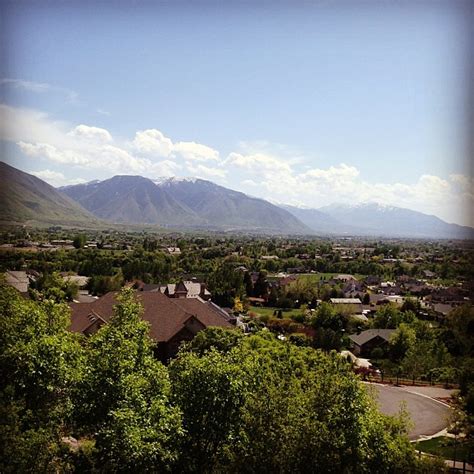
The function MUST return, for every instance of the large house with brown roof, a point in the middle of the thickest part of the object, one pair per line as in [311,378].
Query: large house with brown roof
[172,320]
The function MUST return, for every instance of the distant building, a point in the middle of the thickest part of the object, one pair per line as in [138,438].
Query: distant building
[80,281]
[347,305]
[366,341]
[20,280]
[173,250]
[172,321]
[185,289]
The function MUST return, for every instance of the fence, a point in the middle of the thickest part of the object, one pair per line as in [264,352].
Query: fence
[403,379]
[454,467]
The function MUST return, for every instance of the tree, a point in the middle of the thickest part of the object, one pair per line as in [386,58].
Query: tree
[261,285]
[210,391]
[401,341]
[79,241]
[123,397]
[269,403]
[41,363]
[52,286]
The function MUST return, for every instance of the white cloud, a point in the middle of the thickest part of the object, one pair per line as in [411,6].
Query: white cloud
[153,154]
[51,153]
[196,151]
[27,85]
[94,134]
[258,161]
[55,178]
[39,87]
[165,168]
[153,141]
[202,171]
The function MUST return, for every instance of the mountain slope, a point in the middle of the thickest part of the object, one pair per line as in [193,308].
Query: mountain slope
[377,219]
[132,200]
[27,199]
[321,222]
[182,203]
[229,208]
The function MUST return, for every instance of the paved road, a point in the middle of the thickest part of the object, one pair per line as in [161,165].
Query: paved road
[429,416]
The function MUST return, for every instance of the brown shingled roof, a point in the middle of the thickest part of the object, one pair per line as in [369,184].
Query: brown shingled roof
[165,315]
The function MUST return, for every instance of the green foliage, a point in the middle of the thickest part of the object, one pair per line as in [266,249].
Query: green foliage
[79,241]
[217,338]
[401,341]
[135,426]
[270,406]
[225,284]
[390,317]
[40,363]
[51,286]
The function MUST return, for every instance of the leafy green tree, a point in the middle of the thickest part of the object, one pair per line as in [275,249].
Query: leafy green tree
[217,338]
[401,341]
[52,286]
[210,392]
[79,241]
[225,283]
[123,397]
[271,406]
[40,364]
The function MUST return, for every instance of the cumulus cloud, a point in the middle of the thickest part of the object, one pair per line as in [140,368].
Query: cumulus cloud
[202,171]
[264,173]
[152,141]
[94,134]
[196,151]
[56,178]
[257,161]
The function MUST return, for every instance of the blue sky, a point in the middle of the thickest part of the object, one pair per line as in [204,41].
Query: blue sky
[301,102]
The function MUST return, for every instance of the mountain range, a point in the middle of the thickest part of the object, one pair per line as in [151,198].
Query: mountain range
[185,203]
[181,203]
[27,199]
[374,219]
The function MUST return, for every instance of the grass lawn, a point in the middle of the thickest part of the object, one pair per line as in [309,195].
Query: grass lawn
[315,277]
[264,311]
[444,447]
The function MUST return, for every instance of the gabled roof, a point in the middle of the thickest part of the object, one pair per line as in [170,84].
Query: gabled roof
[166,316]
[345,300]
[366,336]
[18,279]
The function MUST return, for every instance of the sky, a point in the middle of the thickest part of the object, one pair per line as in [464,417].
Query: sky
[304,103]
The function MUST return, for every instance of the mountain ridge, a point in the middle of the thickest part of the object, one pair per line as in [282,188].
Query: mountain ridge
[27,199]
[376,219]
[188,203]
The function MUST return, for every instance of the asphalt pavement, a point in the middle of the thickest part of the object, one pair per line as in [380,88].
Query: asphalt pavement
[429,416]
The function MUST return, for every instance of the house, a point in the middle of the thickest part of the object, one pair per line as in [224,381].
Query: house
[172,321]
[353,289]
[347,305]
[173,250]
[185,289]
[20,280]
[344,278]
[366,341]
[269,257]
[80,281]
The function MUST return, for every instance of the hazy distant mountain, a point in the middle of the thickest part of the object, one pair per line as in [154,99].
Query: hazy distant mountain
[322,223]
[173,202]
[27,199]
[131,200]
[381,220]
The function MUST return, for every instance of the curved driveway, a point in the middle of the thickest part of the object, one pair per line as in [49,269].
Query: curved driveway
[429,416]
